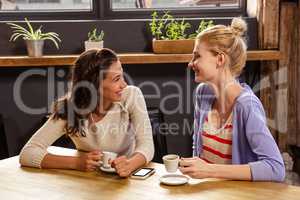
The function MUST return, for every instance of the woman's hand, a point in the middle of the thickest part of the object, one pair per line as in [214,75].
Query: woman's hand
[123,166]
[89,161]
[195,168]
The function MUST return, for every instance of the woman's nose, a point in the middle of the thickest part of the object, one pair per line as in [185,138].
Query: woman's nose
[124,84]
[191,65]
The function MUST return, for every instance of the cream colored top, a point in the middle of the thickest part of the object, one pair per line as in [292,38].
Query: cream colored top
[125,129]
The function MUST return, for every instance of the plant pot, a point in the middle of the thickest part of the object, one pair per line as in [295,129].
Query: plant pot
[35,48]
[173,46]
[93,45]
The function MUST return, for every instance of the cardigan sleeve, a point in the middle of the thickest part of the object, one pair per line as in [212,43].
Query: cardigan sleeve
[35,149]
[270,165]
[140,123]
[197,98]
[202,99]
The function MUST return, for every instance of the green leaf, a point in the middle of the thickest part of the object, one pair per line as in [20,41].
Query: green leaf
[51,34]
[53,40]
[31,34]
[29,26]
[94,36]
[15,36]
[18,28]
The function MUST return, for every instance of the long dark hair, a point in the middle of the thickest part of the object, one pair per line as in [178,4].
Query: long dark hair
[89,69]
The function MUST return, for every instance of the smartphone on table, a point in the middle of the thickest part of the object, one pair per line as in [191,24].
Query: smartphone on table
[143,173]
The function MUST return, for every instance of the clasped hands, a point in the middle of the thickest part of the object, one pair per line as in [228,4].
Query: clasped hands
[91,161]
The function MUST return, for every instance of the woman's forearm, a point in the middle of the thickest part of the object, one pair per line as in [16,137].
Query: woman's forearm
[137,161]
[234,172]
[60,162]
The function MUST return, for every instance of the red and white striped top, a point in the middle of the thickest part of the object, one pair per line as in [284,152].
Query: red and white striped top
[217,143]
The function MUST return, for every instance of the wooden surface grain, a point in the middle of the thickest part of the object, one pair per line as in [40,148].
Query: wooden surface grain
[129,58]
[268,38]
[29,183]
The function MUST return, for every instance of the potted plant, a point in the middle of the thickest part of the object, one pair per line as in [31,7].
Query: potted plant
[170,35]
[34,38]
[95,40]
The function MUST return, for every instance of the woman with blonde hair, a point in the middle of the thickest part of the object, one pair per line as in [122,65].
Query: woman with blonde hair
[231,138]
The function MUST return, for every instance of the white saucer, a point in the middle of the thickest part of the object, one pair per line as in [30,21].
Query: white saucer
[173,179]
[109,170]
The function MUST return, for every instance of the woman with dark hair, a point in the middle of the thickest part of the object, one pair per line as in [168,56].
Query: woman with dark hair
[100,113]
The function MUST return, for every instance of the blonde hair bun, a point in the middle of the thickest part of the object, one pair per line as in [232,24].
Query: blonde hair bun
[238,26]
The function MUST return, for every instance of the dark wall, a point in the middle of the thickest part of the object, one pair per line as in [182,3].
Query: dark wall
[122,36]
[19,126]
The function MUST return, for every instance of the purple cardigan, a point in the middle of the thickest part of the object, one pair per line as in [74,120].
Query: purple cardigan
[252,141]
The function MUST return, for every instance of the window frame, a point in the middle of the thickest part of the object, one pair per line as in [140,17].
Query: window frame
[102,10]
[55,15]
[141,13]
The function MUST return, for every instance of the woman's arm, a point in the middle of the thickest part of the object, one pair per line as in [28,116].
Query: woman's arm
[141,125]
[35,154]
[35,149]
[235,172]
[269,166]
[144,147]
[125,166]
[198,168]
[59,162]
[84,162]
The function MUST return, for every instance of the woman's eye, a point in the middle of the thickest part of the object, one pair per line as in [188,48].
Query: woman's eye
[119,78]
[196,57]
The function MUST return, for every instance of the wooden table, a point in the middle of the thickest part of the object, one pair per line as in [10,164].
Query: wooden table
[28,183]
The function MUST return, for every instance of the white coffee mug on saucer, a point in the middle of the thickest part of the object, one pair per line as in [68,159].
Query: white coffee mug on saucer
[107,155]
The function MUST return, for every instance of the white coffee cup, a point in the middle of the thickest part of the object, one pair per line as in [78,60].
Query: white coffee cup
[107,155]
[171,162]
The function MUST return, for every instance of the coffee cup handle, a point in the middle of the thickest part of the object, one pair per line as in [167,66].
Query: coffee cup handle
[110,162]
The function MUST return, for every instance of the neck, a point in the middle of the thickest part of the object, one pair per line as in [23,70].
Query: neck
[104,106]
[227,89]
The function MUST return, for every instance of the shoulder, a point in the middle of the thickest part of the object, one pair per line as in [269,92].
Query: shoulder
[203,96]
[130,92]
[131,95]
[204,92]
[55,122]
[203,89]
[248,102]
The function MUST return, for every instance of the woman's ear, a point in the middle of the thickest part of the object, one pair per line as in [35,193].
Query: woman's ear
[220,60]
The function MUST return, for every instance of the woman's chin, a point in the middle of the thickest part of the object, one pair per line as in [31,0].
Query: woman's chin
[117,98]
[198,79]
